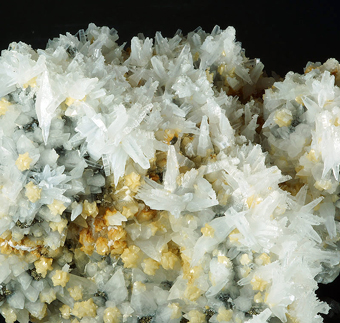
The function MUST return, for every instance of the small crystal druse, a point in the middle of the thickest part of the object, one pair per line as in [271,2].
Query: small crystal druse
[169,182]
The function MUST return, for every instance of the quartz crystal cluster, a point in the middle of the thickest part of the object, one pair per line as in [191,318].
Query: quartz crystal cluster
[171,181]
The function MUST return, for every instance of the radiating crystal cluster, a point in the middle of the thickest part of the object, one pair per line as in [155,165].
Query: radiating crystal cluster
[172,182]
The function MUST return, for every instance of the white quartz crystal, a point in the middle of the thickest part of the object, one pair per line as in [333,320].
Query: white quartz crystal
[167,182]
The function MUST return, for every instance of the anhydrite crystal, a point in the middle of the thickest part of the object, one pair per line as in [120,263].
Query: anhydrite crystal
[172,181]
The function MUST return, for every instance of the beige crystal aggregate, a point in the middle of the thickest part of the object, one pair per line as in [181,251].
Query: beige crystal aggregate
[65,311]
[43,265]
[86,308]
[258,283]
[263,259]
[76,292]
[90,209]
[192,292]
[33,192]
[168,260]
[130,256]
[196,316]
[24,161]
[9,314]
[224,260]
[48,296]
[224,315]
[102,246]
[245,260]
[57,207]
[59,226]
[60,278]
[150,266]
[112,315]
[132,181]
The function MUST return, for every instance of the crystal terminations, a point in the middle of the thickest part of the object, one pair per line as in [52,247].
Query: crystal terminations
[169,182]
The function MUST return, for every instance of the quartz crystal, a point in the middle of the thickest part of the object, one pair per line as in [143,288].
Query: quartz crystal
[170,181]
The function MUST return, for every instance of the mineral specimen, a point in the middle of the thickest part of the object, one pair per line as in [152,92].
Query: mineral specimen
[172,181]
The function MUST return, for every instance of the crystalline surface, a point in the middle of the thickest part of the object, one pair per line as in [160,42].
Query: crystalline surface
[166,182]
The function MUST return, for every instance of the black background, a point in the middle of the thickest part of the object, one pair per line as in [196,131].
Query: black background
[285,35]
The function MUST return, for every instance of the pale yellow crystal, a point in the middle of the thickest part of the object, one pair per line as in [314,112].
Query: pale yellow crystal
[264,259]
[224,315]
[130,211]
[130,256]
[4,104]
[33,192]
[23,162]
[245,260]
[60,278]
[138,286]
[69,101]
[57,207]
[192,292]
[323,184]
[86,308]
[283,117]
[234,235]
[258,283]
[8,313]
[59,226]
[132,181]
[150,266]
[312,156]
[65,311]
[102,247]
[168,260]
[196,317]
[111,315]
[76,293]
[210,76]
[208,230]
[48,296]
[90,209]
[32,83]
[224,260]
[43,265]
